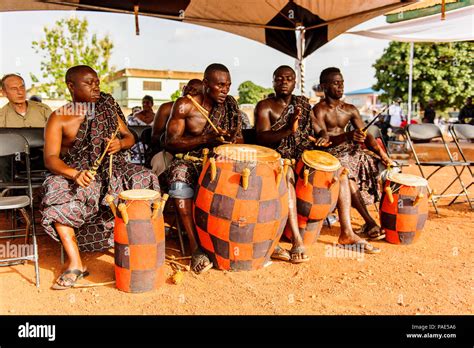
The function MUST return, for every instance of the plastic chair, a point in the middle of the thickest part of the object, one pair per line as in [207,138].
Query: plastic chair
[15,144]
[428,132]
[463,132]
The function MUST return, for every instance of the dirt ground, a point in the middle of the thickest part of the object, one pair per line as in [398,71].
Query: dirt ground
[432,276]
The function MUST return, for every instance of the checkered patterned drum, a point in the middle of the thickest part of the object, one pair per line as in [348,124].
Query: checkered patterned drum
[403,207]
[317,190]
[241,206]
[139,236]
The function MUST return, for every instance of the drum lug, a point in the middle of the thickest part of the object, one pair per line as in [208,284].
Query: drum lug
[306,177]
[110,200]
[245,178]
[212,162]
[279,175]
[388,191]
[333,181]
[286,164]
[205,153]
[123,211]
[417,199]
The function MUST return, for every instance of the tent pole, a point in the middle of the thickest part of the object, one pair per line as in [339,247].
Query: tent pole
[410,80]
[300,60]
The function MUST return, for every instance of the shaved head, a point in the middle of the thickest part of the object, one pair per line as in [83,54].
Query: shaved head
[213,68]
[75,71]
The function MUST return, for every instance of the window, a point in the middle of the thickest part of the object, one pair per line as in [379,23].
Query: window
[152,85]
[123,85]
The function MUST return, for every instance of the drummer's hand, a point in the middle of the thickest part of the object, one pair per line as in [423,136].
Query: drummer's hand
[83,178]
[359,136]
[295,120]
[114,147]
[387,161]
[322,141]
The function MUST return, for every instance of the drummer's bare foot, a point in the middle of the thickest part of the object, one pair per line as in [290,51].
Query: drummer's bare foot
[200,263]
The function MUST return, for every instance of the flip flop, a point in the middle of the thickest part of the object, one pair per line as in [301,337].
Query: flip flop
[197,258]
[375,233]
[298,250]
[68,281]
[281,254]
[361,246]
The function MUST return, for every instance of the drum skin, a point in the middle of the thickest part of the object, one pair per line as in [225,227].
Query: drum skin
[139,248]
[401,220]
[237,228]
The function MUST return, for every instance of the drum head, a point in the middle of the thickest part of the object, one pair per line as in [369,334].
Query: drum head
[321,160]
[146,195]
[407,179]
[247,153]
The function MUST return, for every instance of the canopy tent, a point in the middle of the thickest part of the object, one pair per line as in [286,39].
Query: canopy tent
[458,25]
[296,27]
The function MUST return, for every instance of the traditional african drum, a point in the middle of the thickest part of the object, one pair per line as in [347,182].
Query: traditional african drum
[317,190]
[403,207]
[139,236]
[241,206]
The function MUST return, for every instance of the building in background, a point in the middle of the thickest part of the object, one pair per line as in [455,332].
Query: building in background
[366,100]
[130,85]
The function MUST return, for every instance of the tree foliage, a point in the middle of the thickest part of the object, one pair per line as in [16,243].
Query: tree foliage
[67,44]
[250,93]
[176,94]
[441,71]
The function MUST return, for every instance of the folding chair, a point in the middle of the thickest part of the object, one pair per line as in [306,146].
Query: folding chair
[15,144]
[463,132]
[428,132]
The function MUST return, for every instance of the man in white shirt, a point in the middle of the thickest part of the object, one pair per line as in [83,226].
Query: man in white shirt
[395,112]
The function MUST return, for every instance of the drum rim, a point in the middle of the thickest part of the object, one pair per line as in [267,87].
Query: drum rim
[267,149]
[423,181]
[156,195]
[336,166]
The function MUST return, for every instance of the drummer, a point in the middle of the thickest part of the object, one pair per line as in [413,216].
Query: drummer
[284,122]
[188,131]
[332,116]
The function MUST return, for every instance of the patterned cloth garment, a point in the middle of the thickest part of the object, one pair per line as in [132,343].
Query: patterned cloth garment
[85,209]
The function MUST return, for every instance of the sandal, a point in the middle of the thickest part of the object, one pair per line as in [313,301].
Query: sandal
[374,233]
[68,282]
[199,258]
[281,254]
[295,251]
[361,246]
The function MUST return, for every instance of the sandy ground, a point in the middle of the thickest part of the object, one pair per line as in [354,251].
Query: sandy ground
[432,276]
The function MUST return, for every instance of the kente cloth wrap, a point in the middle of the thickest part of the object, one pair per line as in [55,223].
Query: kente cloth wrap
[363,168]
[226,116]
[85,209]
[293,145]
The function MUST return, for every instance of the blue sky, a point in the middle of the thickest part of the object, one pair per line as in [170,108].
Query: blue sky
[164,44]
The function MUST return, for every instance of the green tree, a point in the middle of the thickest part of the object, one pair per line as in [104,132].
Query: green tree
[67,44]
[250,93]
[441,71]
[176,94]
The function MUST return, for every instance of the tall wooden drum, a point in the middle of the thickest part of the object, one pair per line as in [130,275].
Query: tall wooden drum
[317,191]
[139,236]
[403,207]
[241,206]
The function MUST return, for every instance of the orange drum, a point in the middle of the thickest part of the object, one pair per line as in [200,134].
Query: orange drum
[317,190]
[403,207]
[241,206]
[139,236]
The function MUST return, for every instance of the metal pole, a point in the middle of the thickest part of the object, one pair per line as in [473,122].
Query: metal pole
[410,84]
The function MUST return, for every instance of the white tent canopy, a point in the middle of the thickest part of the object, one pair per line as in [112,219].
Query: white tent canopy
[458,26]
